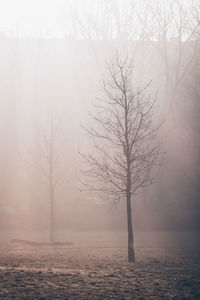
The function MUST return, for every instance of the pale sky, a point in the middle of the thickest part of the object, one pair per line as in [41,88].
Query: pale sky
[49,18]
[54,18]
[34,17]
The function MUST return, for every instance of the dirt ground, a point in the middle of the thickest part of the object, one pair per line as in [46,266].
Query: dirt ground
[70,272]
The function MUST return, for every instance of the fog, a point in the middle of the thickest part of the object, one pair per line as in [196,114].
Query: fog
[53,57]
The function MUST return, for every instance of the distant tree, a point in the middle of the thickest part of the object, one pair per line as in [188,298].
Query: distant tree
[124,138]
[176,26]
[172,27]
[49,161]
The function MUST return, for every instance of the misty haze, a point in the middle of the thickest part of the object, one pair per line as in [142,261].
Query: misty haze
[100,137]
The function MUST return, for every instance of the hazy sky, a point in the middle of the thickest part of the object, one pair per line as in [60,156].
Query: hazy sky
[29,17]
[48,18]
[64,74]
[54,18]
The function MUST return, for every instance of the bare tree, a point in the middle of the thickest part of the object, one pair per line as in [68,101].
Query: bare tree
[176,29]
[171,26]
[124,140]
[50,164]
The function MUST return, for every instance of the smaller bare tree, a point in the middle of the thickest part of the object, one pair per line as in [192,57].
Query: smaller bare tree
[50,163]
[124,137]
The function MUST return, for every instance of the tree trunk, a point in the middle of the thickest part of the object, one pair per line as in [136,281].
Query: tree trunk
[51,189]
[131,253]
[51,216]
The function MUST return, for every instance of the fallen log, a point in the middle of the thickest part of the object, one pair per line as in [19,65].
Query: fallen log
[33,243]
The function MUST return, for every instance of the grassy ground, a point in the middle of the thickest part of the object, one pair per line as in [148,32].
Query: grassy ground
[70,272]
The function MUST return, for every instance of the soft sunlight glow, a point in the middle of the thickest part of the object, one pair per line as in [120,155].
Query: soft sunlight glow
[42,18]
[32,17]
[60,18]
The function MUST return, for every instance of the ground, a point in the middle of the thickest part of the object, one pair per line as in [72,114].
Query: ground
[73,272]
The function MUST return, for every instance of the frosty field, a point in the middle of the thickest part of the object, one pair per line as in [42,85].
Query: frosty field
[95,267]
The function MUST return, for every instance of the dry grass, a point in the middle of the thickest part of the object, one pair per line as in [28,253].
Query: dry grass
[69,272]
